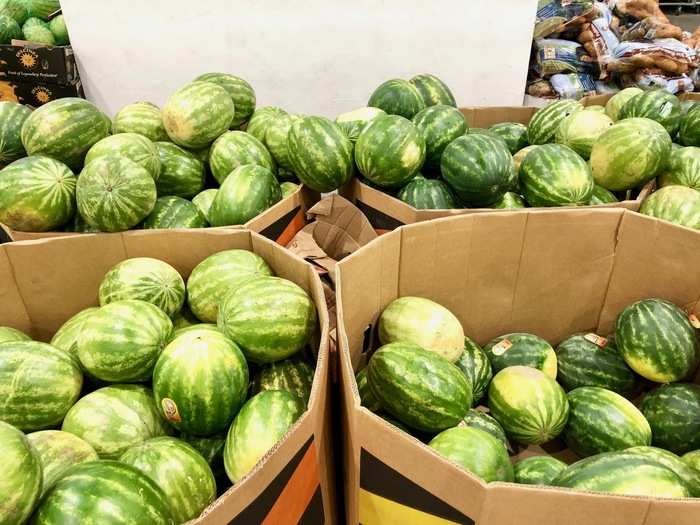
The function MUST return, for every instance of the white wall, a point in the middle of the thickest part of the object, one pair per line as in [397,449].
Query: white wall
[308,56]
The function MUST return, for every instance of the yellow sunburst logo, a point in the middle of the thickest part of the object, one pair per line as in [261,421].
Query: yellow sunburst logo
[28,58]
[41,94]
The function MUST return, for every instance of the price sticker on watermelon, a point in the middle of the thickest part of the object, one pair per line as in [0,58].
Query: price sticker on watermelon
[501,347]
[596,339]
[170,410]
[694,320]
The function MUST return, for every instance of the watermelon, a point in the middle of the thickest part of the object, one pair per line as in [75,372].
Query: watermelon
[476,367]
[683,168]
[240,91]
[261,423]
[519,156]
[481,420]
[197,113]
[58,451]
[211,448]
[513,133]
[38,384]
[428,194]
[692,459]
[78,225]
[353,122]
[182,174]
[554,175]
[602,421]
[320,153]
[183,319]
[275,140]
[538,470]
[269,318]
[476,451]
[433,91]
[543,126]
[66,337]
[179,470]
[614,105]
[367,397]
[530,406]
[588,360]
[488,133]
[601,196]
[133,146]
[38,31]
[397,97]
[234,149]
[418,387]
[18,10]
[12,117]
[143,118]
[121,341]
[60,31]
[629,154]
[673,412]
[246,193]
[689,475]
[439,125]
[509,201]
[145,279]
[36,194]
[521,349]
[658,105]
[261,119]
[293,375]
[580,130]
[104,492]
[657,340]
[195,326]
[424,323]
[479,168]
[9,334]
[41,8]
[21,483]
[288,188]
[174,212]
[689,130]
[624,473]
[203,200]
[595,108]
[217,275]
[115,194]
[676,204]
[64,129]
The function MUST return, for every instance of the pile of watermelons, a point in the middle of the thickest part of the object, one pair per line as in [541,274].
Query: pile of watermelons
[146,407]
[31,20]
[473,404]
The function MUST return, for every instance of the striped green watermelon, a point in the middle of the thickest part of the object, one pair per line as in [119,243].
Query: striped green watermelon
[601,196]
[428,194]
[418,387]
[689,131]
[481,420]
[657,340]
[261,423]
[65,129]
[524,350]
[57,26]
[66,337]
[36,194]
[543,126]
[476,451]
[288,188]
[624,473]
[122,340]
[580,130]
[18,10]
[113,418]
[211,448]
[217,275]
[658,105]
[143,118]
[179,470]
[513,133]
[676,204]
[130,145]
[115,194]
[145,279]
[12,116]
[424,323]
[596,108]
[367,397]
[104,492]
[20,484]
[275,140]
[589,360]
[530,406]
[269,318]
[38,384]
[538,470]
[196,325]
[619,99]
[246,193]
[689,475]
[353,122]
[42,8]
[509,201]
[433,91]
[683,168]
[602,421]
[196,363]
[692,459]
[320,153]
[555,175]
[261,119]
[183,319]
[293,375]
[397,97]
[234,149]
[390,151]
[203,200]
[182,174]
[673,412]
[475,365]
[197,113]
[9,334]
[439,125]
[629,154]
[9,29]
[58,451]
[488,133]
[174,212]
[519,156]
[479,168]
[241,92]
[37,31]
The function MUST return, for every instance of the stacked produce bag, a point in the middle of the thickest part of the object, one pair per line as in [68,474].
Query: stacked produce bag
[32,20]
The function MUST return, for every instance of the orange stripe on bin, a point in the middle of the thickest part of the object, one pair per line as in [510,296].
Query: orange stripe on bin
[294,226]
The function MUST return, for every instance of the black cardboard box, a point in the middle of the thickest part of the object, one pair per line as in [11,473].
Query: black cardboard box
[36,93]
[31,63]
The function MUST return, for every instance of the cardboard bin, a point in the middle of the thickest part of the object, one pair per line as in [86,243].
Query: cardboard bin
[37,94]
[551,273]
[28,62]
[44,282]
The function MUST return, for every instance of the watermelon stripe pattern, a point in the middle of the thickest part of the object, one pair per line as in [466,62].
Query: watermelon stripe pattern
[133,146]
[521,349]
[66,337]
[513,133]
[182,174]
[234,149]
[240,91]
[292,375]
[690,476]
[9,334]
[143,118]
[683,168]
[20,484]
[397,97]
[262,118]
[247,192]
[174,212]
[544,124]
[353,122]
[439,125]
[476,367]
[12,117]
[538,470]
[656,104]
[433,91]
[428,194]
[276,140]
[689,131]
[367,397]
[481,420]
[673,412]
[203,200]
[677,204]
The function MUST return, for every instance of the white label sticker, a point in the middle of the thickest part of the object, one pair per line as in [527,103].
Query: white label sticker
[170,410]
[694,321]
[596,339]
[501,347]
